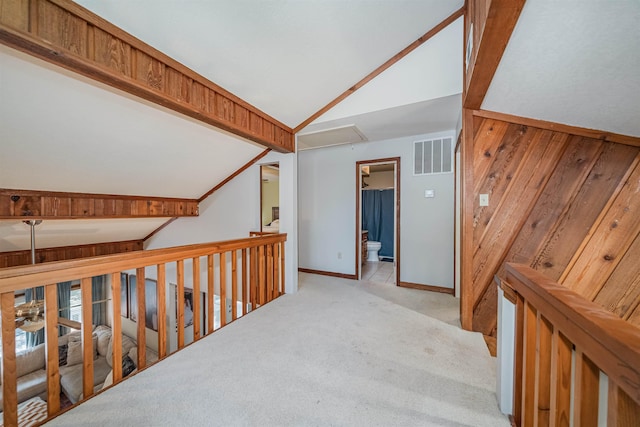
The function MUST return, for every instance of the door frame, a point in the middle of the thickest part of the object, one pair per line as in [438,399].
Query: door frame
[358,238]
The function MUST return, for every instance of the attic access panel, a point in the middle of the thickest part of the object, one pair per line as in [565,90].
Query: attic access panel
[348,134]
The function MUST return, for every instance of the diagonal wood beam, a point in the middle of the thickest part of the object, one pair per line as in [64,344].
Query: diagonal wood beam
[30,204]
[64,33]
[489,45]
[397,57]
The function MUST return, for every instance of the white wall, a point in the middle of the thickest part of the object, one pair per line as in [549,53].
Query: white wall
[233,211]
[327,211]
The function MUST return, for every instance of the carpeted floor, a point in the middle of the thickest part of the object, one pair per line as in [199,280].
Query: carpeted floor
[334,354]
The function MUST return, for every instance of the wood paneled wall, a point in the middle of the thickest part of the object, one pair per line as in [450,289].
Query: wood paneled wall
[16,258]
[66,34]
[58,205]
[567,205]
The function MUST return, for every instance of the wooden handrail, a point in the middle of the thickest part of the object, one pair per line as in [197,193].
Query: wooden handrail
[551,321]
[16,278]
[260,280]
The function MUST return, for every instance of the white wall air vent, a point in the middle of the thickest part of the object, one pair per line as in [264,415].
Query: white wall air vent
[348,134]
[433,156]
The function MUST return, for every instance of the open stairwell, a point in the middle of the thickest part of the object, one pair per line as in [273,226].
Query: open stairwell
[332,354]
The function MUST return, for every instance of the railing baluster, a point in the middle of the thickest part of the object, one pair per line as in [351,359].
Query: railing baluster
[622,410]
[142,312]
[210,294]
[9,374]
[180,302]
[162,310]
[269,261]
[560,379]
[245,289]
[261,275]
[529,354]
[87,340]
[253,279]
[234,284]
[585,411]
[543,371]
[519,361]
[223,289]
[276,270]
[51,333]
[116,328]
[196,298]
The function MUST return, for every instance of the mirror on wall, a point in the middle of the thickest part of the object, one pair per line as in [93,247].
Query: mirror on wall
[270,198]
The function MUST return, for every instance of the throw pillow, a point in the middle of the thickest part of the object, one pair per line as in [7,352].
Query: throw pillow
[74,353]
[127,366]
[104,336]
[62,355]
[108,381]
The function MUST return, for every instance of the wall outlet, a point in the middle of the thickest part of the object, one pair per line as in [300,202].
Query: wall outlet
[484,200]
[339,255]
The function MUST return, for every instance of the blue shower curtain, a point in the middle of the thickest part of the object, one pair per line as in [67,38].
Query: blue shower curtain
[377,218]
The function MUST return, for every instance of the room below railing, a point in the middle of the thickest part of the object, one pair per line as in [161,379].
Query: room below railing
[243,274]
[574,363]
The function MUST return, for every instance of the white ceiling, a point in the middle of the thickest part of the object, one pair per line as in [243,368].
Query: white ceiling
[576,63]
[61,132]
[566,63]
[289,58]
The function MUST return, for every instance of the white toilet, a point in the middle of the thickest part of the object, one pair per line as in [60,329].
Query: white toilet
[372,250]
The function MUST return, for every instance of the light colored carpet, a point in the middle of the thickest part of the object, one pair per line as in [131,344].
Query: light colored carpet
[330,355]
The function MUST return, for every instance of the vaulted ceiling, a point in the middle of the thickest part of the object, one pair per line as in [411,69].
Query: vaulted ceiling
[63,132]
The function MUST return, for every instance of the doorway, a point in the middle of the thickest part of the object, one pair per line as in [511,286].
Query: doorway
[378,188]
[270,198]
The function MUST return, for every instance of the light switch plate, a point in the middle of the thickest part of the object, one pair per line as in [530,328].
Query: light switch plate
[484,200]
[429,193]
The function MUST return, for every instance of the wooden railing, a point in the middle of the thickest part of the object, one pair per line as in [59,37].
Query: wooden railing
[562,344]
[250,272]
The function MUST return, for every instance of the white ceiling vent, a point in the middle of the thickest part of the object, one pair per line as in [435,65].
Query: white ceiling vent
[348,134]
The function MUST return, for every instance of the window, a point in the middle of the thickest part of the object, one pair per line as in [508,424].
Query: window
[433,156]
[21,340]
[75,306]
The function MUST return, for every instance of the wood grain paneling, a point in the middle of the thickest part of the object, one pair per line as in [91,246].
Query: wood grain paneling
[58,205]
[66,34]
[608,241]
[15,14]
[566,205]
[16,258]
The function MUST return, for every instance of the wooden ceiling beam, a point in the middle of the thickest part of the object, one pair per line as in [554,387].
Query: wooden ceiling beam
[492,29]
[64,33]
[27,204]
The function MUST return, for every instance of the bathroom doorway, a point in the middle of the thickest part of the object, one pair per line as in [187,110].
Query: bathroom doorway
[378,219]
